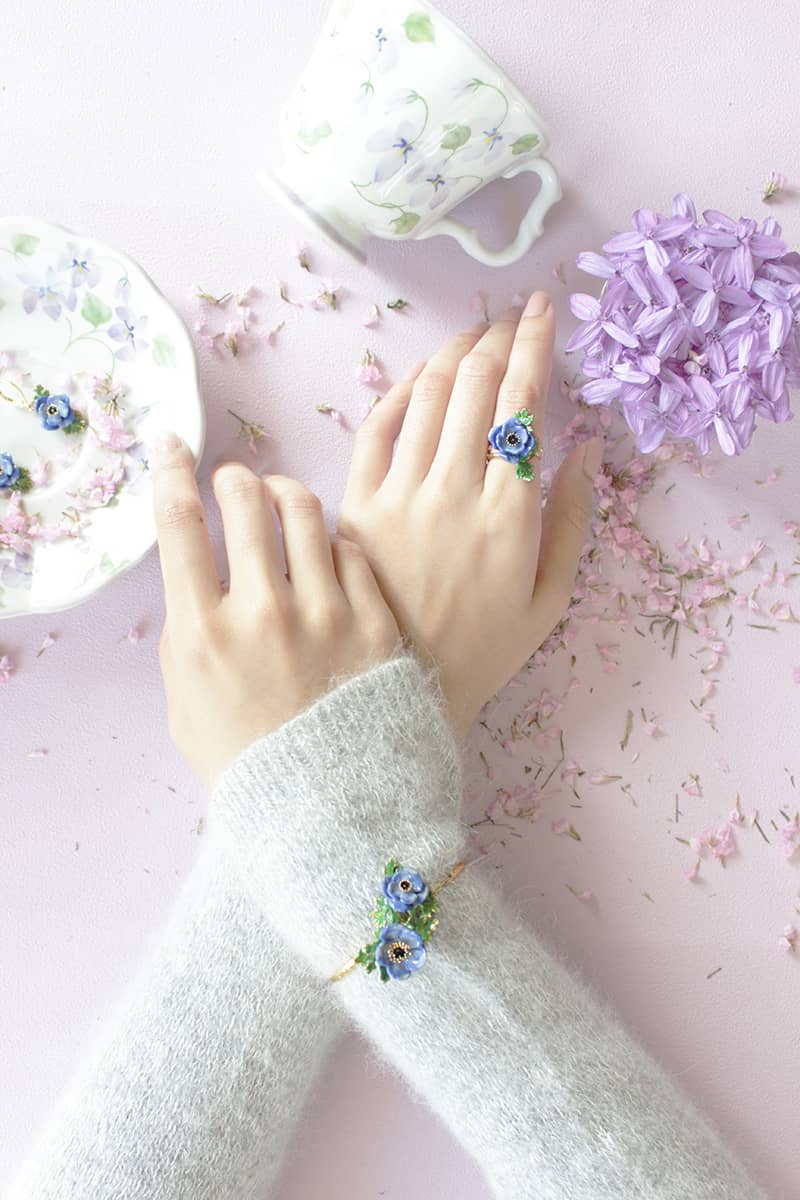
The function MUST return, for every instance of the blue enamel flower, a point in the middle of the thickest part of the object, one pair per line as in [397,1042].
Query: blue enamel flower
[404,890]
[513,440]
[54,411]
[9,471]
[401,951]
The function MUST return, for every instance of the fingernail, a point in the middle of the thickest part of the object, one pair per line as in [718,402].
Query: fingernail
[510,314]
[593,457]
[538,305]
[166,441]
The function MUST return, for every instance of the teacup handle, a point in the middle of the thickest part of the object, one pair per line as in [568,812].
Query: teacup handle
[530,227]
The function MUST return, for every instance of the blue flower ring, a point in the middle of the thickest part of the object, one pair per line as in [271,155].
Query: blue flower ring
[56,412]
[404,890]
[13,478]
[515,441]
[405,919]
[400,951]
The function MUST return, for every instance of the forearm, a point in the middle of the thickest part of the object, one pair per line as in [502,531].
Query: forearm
[543,1087]
[192,1089]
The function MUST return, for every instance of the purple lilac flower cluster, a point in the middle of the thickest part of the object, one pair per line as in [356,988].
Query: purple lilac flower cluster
[697,328]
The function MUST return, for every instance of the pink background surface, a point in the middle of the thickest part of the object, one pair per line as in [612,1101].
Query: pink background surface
[124,121]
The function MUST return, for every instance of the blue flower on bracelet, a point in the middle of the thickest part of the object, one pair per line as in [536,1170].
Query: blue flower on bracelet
[405,919]
[56,412]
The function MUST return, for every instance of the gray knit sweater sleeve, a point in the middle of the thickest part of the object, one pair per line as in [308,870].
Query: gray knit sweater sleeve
[193,1088]
[526,1067]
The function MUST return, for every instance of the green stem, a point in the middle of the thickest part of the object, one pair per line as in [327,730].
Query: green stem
[90,337]
[368,81]
[376,203]
[503,97]
[425,122]
[458,178]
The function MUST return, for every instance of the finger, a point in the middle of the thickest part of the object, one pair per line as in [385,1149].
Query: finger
[306,542]
[430,396]
[251,540]
[375,439]
[462,447]
[356,577]
[524,387]
[565,530]
[187,563]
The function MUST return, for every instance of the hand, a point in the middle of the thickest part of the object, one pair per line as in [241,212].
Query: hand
[475,573]
[238,665]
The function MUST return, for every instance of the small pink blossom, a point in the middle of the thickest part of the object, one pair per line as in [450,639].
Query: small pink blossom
[39,752]
[789,939]
[368,372]
[561,825]
[371,316]
[790,836]
[335,415]
[6,668]
[102,484]
[39,472]
[47,641]
[692,872]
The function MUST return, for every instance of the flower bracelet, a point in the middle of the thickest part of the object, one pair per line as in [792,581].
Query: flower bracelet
[54,412]
[405,917]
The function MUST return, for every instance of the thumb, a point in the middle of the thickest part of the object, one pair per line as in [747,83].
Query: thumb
[565,529]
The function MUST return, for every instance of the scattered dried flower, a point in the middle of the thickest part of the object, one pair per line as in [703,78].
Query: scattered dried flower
[397,305]
[6,668]
[47,641]
[335,415]
[207,297]
[773,186]
[368,371]
[249,431]
[300,251]
[371,316]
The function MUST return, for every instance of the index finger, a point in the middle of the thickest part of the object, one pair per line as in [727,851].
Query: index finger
[187,563]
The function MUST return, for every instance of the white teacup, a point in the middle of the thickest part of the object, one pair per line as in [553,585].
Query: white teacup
[398,117]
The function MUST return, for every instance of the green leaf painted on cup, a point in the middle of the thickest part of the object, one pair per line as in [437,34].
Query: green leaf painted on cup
[418,27]
[455,137]
[310,137]
[95,310]
[525,143]
[24,243]
[163,351]
[405,223]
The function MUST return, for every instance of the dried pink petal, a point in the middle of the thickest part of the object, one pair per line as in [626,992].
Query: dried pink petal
[47,641]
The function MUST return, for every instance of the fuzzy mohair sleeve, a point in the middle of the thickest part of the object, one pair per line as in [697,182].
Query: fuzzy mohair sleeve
[530,1071]
[191,1091]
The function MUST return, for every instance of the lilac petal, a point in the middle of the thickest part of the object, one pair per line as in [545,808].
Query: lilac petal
[746,346]
[117,333]
[765,246]
[717,359]
[620,335]
[125,353]
[780,326]
[670,339]
[672,227]
[635,278]
[601,391]
[629,373]
[716,237]
[683,206]
[699,277]
[738,396]
[666,289]
[584,307]
[773,379]
[767,290]
[585,336]
[722,266]
[726,435]
[595,264]
[657,257]
[704,393]
[735,295]
[29,298]
[706,311]
[650,323]
[645,220]
[623,243]
[714,217]
[615,294]
[650,437]
[650,363]
[53,309]
[743,266]
[771,227]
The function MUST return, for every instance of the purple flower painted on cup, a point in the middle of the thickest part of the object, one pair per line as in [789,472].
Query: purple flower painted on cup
[82,266]
[380,49]
[17,571]
[395,147]
[432,185]
[129,330]
[54,294]
[489,141]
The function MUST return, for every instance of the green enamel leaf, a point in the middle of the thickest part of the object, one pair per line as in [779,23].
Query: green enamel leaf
[105,565]
[310,137]
[384,975]
[95,310]
[455,137]
[419,27]
[524,470]
[24,243]
[163,351]
[525,143]
[524,416]
[405,223]
[392,866]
